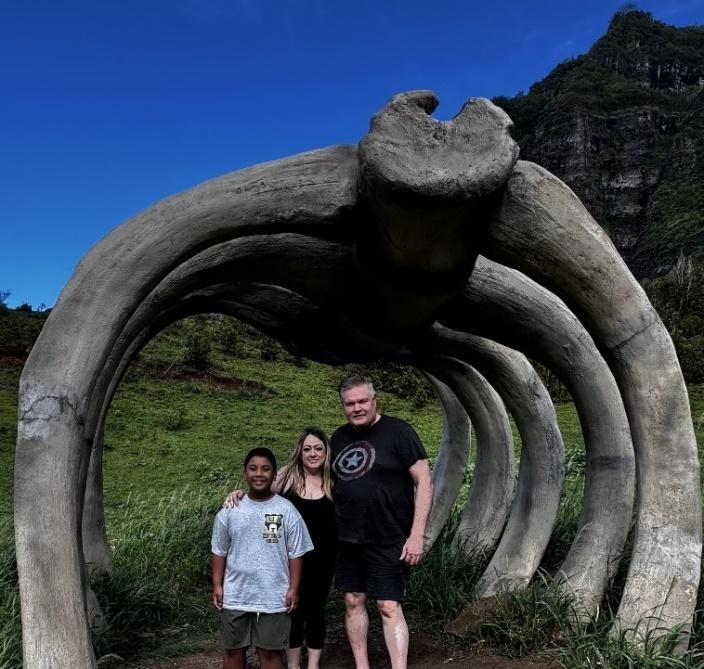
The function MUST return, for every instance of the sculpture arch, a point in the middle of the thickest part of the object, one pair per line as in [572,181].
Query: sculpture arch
[407,213]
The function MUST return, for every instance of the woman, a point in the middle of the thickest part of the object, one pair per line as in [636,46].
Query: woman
[305,481]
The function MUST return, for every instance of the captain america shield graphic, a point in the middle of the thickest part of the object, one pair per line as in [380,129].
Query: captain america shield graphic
[354,460]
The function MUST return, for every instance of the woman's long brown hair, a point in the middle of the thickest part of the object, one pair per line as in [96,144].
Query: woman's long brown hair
[294,475]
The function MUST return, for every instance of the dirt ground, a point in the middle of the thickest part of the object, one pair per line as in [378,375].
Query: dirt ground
[425,653]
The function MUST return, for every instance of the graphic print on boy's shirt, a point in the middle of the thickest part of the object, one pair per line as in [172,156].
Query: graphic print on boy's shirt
[273,527]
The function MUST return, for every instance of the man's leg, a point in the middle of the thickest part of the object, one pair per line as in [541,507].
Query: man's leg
[395,632]
[235,658]
[357,626]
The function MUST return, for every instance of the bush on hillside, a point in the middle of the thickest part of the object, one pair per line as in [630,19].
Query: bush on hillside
[197,343]
[678,297]
[19,330]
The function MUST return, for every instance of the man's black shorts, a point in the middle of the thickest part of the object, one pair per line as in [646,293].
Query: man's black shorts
[371,568]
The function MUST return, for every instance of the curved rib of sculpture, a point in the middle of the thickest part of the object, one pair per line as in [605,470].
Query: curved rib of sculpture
[57,384]
[451,463]
[491,492]
[542,466]
[406,215]
[542,229]
[252,258]
[302,324]
[234,259]
[503,305]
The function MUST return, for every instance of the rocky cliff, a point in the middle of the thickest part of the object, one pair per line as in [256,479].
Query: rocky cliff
[623,125]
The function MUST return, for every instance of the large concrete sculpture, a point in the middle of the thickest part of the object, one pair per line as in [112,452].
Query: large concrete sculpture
[429,241]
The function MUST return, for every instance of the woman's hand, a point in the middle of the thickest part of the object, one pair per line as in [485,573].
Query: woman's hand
[233,499]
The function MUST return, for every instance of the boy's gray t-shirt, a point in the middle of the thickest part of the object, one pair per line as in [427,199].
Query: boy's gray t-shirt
[258,539]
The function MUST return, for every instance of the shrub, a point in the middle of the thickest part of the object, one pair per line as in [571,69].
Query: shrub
[197,344]
[270,350]
[175,421]
[18,331]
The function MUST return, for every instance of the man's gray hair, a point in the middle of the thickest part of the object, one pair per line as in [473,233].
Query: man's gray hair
[354,381]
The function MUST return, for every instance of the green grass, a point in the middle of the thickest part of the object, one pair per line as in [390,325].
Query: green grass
[538,621]
[161,579]
[10,627]
[165,433]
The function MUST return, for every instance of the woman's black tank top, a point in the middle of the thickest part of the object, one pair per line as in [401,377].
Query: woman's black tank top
[319,517]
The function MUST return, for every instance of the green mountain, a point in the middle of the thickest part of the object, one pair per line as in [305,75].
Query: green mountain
[623,126]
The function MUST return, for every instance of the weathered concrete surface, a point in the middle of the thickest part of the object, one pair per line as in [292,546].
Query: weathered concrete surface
[491,492]
[59,408]
[451,463]
[503,305]
[426,186]
[542,229]
[542,466]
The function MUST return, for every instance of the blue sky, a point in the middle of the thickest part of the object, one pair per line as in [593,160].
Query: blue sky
[108,106]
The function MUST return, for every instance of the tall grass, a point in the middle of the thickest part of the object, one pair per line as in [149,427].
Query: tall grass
[161,578]
[10,624]
[442,584]
[539,620]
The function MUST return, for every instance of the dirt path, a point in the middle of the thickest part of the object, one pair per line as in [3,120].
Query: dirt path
[425,654]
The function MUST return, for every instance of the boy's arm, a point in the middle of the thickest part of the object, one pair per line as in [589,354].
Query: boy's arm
[295,568]
[217,563]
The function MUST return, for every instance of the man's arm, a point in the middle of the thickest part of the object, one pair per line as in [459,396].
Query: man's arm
[217,563]
[295,568]
[413,548]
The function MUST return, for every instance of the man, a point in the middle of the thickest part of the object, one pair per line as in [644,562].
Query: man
[383,492]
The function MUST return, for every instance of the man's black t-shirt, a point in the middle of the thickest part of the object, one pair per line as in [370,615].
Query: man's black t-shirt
[374,493]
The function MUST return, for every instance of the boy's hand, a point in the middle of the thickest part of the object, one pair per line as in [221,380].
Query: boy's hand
[217,597]
[233,499]
[291,600]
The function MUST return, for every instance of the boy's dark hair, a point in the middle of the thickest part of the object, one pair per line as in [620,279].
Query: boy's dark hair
[262,452]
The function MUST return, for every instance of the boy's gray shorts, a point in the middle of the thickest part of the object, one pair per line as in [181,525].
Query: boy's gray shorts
[241,629]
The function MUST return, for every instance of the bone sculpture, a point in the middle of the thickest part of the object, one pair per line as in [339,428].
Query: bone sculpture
[458,250]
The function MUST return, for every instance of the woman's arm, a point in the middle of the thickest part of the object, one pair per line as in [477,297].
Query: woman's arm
[276,486]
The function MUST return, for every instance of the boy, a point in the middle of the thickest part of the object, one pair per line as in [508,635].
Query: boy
[256,559]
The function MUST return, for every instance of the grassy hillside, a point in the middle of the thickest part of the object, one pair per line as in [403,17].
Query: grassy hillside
[172,425]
